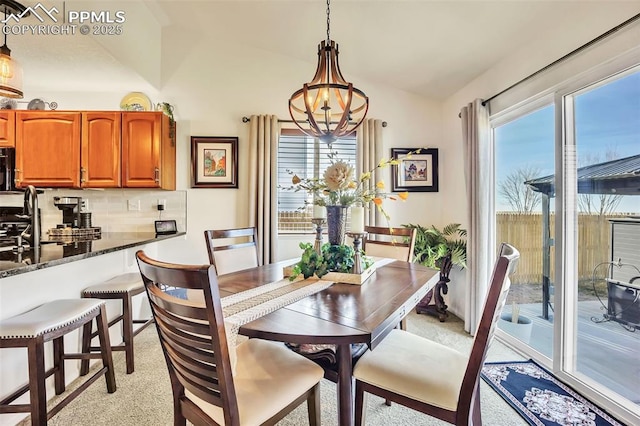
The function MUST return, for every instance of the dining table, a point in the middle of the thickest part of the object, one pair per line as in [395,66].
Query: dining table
[342,314]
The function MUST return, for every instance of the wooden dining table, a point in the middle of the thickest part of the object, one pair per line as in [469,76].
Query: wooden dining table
[343,314]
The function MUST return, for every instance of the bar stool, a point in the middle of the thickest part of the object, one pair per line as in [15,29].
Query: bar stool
[122,287]
[51,321]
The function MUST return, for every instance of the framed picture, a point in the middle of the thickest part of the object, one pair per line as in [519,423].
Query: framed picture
[417,172]
[214,162]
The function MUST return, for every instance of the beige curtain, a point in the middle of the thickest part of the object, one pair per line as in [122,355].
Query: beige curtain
[481,246]
[368,153]
[264,134]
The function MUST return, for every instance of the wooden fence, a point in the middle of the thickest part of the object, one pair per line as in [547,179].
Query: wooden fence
[524,231]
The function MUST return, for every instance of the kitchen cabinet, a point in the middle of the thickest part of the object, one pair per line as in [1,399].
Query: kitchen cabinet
[100,149]
[48,149]
[148,151]
[7,128]
[92,149]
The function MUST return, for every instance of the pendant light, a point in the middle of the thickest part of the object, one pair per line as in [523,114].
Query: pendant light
[10,69]
[328,107]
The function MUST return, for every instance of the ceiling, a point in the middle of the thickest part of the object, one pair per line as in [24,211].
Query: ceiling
[430,48]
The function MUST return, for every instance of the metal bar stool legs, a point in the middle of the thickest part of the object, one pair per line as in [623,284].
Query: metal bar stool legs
[51,322]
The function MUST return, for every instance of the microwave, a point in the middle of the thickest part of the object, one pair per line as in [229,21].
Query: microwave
[7,169]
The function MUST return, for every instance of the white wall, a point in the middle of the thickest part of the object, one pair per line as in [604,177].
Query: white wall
[214,84]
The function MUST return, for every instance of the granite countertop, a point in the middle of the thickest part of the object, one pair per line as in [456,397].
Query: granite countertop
[57,253]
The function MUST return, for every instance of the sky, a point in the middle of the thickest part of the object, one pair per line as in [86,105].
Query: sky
[607,121]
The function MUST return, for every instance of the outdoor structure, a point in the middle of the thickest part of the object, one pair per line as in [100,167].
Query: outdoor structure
[619,177]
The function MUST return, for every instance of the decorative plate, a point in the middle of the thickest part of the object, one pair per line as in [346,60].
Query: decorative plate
[135,101]
[37,104]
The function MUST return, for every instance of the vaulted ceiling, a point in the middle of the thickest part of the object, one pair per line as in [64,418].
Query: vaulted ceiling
[431,48]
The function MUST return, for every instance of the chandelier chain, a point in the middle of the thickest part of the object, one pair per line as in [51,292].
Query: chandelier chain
[328,22]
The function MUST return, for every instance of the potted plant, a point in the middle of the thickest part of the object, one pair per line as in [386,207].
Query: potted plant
[439,249]
[515,324]
[432,245]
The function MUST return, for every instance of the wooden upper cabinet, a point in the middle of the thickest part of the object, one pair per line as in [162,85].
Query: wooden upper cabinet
[148,151]
[48,149]
[7,128]
[100,150]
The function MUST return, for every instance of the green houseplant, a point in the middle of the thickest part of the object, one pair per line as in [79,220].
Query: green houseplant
[433,244]
[439,249]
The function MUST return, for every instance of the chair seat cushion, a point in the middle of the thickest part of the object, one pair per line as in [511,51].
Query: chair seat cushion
[414,367]
[268,377]
[118,284]
[46,318]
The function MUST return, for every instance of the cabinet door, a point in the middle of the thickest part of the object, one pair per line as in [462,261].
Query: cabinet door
[141,140]
[48,149]
[7,129]
[100,153]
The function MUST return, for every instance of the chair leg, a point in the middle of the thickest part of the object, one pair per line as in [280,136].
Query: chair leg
[127,332]
[105,348]
[313,406]
[86,344]
[58,364]
[37,388]
[359,404]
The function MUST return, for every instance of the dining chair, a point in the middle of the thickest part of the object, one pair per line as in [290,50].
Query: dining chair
[394,243]
[266,380]
[232,250]
[430,377]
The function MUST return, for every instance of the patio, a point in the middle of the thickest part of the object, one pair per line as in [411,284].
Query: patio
[606,351]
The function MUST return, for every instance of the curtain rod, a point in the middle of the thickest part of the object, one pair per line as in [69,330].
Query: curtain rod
[246,120]
[573,52]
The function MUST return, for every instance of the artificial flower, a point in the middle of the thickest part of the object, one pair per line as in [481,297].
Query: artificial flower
[338,187]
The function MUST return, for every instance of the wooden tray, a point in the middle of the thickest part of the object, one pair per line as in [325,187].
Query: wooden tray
[341,277]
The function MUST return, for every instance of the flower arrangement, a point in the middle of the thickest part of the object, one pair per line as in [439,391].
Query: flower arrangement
[339,187]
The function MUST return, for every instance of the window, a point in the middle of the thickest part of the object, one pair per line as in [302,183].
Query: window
[306,157]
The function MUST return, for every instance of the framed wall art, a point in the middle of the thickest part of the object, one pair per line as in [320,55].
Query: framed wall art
[214,162]
[417,172]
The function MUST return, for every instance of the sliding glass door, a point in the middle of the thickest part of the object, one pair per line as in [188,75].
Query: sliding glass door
[605,299]
[567,190]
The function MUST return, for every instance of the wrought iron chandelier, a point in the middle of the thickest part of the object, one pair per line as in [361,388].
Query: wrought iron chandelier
[10,69]
[328,107]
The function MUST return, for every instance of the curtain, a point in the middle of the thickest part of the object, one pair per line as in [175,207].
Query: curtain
[263,203]
[368,153]
[478,160]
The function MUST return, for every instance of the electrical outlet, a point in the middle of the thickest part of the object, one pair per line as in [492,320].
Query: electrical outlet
[162,204]
[84,205]
[134,205]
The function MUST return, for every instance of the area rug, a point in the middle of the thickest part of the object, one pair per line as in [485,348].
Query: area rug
[540,398]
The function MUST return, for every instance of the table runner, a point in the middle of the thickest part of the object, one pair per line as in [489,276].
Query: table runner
[246,306]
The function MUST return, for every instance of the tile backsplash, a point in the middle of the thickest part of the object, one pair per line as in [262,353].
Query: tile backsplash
[114,210]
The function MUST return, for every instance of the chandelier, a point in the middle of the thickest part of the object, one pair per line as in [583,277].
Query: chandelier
[10,69]
[328,107]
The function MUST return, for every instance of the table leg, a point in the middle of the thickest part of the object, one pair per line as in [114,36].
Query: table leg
[345,385]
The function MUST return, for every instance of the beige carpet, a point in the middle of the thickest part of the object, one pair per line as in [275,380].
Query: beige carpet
[144,397]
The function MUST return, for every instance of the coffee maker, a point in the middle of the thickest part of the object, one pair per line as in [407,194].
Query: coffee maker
[71,211]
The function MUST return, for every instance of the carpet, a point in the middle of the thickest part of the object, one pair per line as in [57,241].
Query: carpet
[540,398]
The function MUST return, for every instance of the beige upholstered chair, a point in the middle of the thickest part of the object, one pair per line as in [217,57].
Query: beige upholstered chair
[433,378]
[395,243]
[268,380]
[232,250]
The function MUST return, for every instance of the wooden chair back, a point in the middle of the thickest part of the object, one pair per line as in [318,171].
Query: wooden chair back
[394,243]
[505,265]
[192,336]
[232,250]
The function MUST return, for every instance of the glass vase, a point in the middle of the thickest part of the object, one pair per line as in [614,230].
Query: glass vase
[336,224]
